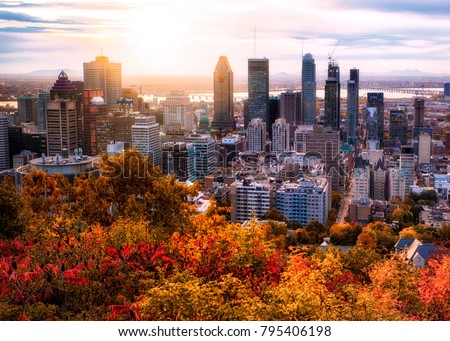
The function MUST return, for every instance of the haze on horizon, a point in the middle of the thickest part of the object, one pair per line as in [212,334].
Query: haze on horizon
[178,37]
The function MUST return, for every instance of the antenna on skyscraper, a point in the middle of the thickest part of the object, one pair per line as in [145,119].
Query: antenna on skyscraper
[330,56]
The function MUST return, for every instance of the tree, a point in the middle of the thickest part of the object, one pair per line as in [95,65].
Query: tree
[345,234]
[274,214]
[336,199]
[315,230]
[12,221]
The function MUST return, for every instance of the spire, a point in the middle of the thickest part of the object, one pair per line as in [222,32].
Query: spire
[63,75]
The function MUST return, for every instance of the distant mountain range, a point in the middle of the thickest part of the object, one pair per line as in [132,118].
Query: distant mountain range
[73,74]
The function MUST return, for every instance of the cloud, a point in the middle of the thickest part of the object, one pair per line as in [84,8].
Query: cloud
[429,7]
[26,29]
[9,4]
[21,17]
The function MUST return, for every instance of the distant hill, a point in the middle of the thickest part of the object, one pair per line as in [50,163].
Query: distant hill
[53,74]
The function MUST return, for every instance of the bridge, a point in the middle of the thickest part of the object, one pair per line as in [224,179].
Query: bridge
[418,92]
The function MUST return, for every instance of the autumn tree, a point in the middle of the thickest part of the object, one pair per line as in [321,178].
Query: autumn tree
[345,234]
[12,221]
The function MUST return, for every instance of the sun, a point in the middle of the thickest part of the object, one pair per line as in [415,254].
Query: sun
[157,39]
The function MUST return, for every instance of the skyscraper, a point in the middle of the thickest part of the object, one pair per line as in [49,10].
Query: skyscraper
[447,89]
[28,111]
[407,162]
[280,136]
[333,96]
[179,158]
[178,110]
[43,97]
[4,145]
[145,135]
[398,125]
[372,123]
[105,75]
[223,96]
[291,111]
[62,116]
[258,89]
[352,111]
[94,107]
[376,100]
[205,162]
[308,90]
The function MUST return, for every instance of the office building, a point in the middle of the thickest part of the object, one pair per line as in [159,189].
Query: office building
[178,158]
[113,128]
[352,112]
[324,143]
[308,90]
[145,137]
[62,117]
[258,89]
[250,199]
[274,112]
[407,163]
[447,89]
[4,144]
[280,136]
[28,109]
[305,200]
[398,126]
[376,100]
[205,161]
[229,149]
[131,94]
[333,97]
[223,96]
[291,111]
[300,138]
[105,75]
[378,181]
[424,150]
[178,110]
[372,123]
[43,97]
[256,135]
[94,107]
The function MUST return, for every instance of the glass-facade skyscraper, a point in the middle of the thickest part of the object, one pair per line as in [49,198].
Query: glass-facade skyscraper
[333,97]
[258,89]
[352,112]
[376,100]
[308,90]
[223,96]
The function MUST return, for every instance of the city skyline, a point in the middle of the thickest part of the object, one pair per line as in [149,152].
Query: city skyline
[185,38]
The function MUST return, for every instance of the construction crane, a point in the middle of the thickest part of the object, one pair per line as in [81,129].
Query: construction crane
[330,55]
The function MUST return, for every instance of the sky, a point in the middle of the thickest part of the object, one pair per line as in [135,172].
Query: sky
[176,37]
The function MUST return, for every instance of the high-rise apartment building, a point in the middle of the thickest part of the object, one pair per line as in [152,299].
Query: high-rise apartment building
[424,149]
[62,117]
[145,135]
[250,199]
[333,97]
[178,111]
[397,183]
[4,145]
[274,112]
[105,75]
[178,158]
[378,181]
[398,125]
[280,136]
[223,96]
[361,182]
[256,135]
[305,200]
[407,163]
[376,100]
[308,90]
[258,89]
[205,161]
[94,107]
